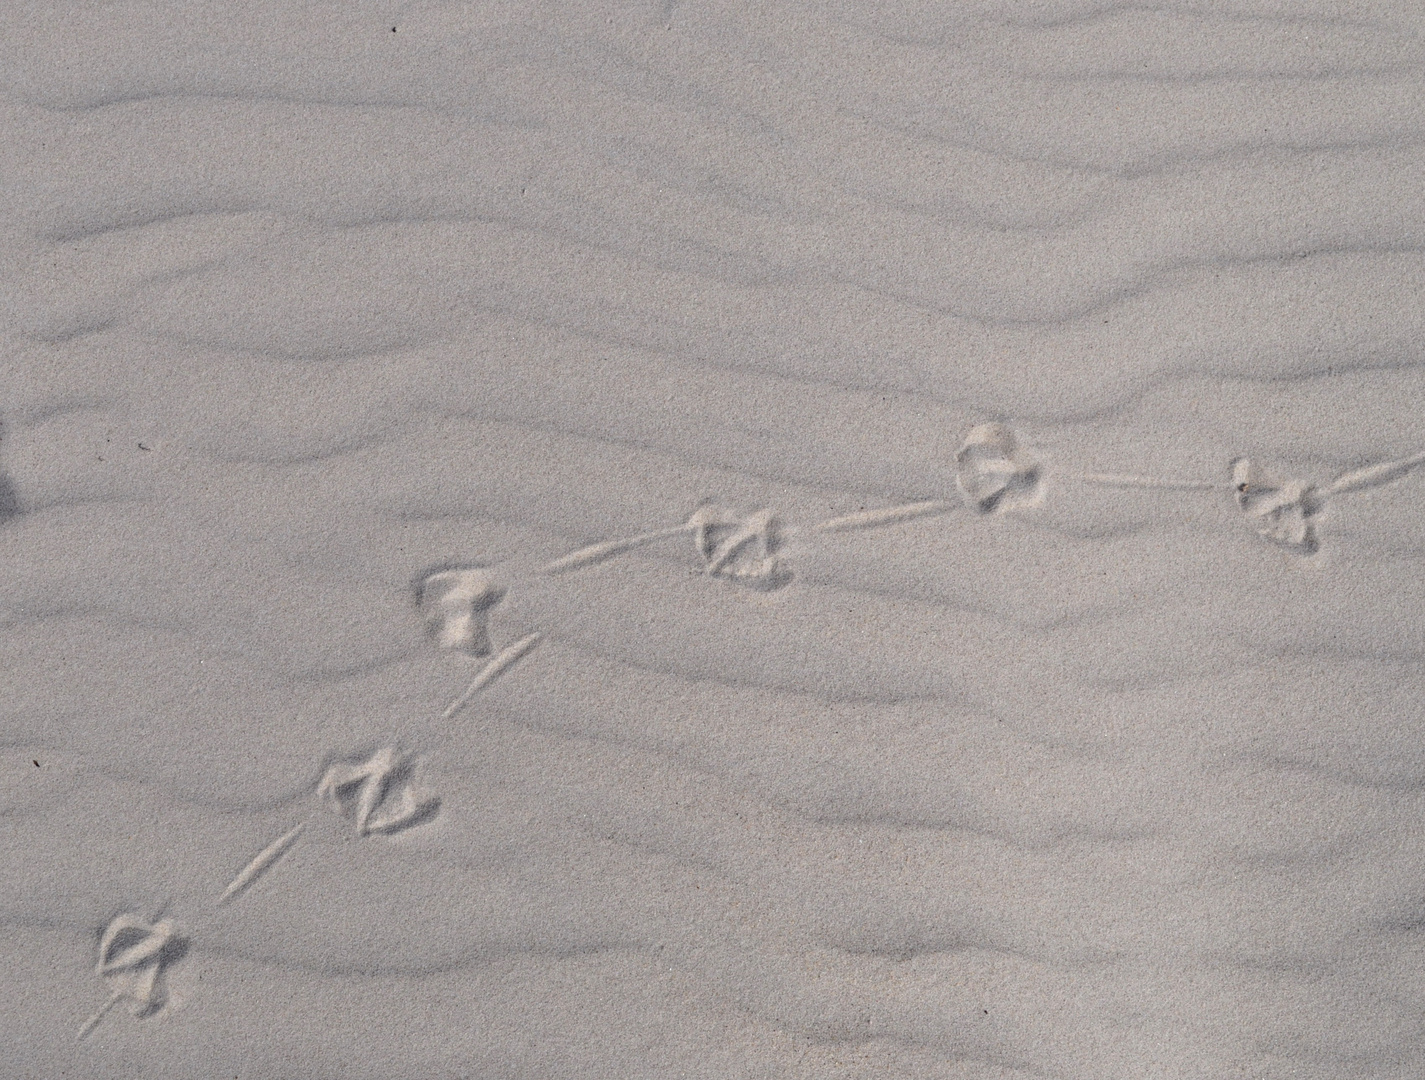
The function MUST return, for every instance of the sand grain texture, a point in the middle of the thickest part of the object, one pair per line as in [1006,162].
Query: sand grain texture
[853,405]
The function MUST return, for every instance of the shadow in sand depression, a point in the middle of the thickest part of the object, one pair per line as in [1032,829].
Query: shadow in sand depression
[9,495]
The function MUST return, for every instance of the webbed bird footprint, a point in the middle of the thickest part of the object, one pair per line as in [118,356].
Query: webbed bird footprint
[739,547]
[455,606]
[377,793]
[134,956]
[1280,512]
[733,545]
[995,472]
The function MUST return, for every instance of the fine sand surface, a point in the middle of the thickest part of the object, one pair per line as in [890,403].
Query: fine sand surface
[330,330]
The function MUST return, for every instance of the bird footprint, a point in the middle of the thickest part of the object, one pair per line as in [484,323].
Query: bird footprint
[994,472]
[377,793]
[1281,512]
[134,956]
[455,605]
[739,547]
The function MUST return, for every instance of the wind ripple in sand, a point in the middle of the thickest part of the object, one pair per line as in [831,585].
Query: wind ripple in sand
[1097,787]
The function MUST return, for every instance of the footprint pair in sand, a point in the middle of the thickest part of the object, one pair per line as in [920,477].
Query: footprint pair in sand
[994,473]
[378,795]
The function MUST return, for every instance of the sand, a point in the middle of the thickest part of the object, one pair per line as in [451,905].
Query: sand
[706,541]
